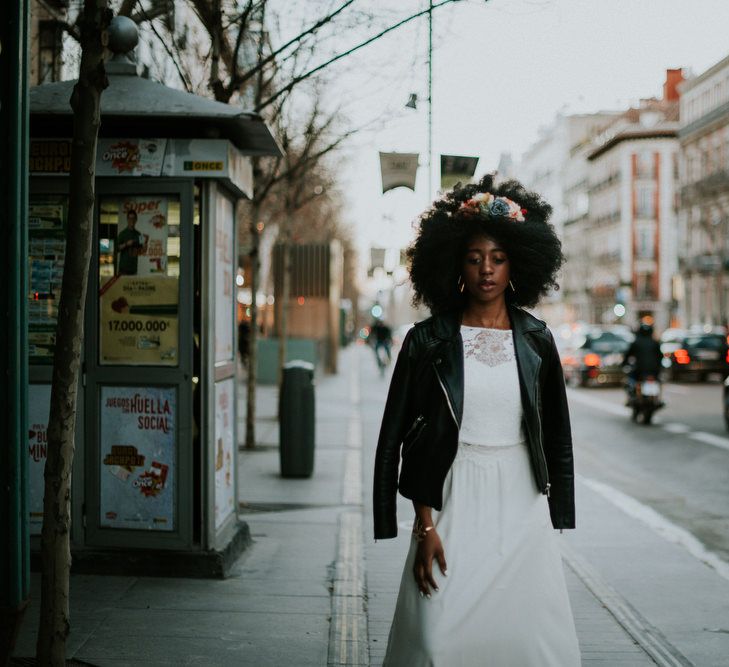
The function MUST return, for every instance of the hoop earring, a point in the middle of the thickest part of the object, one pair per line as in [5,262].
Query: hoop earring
[461,284]
[513,289]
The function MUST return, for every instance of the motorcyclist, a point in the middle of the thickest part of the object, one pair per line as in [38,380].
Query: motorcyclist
[643,356]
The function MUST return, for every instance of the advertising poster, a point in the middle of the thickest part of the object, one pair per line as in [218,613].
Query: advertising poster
[141,240]
[138,321]
[224,280]
[39,404]
[224,443]
[138,446]
[130,157]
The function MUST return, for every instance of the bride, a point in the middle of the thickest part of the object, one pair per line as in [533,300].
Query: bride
[476,419]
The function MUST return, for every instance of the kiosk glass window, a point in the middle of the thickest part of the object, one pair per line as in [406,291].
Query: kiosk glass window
[139,271]
[47,248]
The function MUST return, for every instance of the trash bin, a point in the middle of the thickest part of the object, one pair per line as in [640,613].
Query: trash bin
[296,420]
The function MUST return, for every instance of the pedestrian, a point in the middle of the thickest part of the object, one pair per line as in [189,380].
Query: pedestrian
[477,402]
[382,336]
[244,330]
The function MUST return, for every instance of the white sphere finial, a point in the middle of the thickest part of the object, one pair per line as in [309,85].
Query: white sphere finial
[123,35]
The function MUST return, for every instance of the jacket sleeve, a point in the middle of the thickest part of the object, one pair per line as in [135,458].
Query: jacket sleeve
[392,431]
[558,443]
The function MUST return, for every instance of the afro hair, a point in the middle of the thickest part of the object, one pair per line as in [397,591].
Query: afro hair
[436,256]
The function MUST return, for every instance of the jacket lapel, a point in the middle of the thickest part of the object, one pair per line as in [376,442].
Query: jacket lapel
[448,361]
[527,359]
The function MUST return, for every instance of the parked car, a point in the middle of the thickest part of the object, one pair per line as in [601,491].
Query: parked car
[595,358]
[671,340]
[699,356]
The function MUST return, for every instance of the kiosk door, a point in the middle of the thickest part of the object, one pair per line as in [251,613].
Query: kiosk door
[139,375]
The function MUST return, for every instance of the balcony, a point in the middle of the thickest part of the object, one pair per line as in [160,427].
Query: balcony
[713,185]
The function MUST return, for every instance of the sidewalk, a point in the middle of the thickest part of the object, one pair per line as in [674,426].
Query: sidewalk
[315,589]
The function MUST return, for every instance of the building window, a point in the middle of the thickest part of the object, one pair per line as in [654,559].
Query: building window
[644,201]
[49,51]
[645,243]
[645,165]
[644,286]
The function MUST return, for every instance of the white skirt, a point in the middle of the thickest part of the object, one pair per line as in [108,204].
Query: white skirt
[504,602]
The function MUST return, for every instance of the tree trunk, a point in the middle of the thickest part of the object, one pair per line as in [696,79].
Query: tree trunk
[253,333]
[283,328]
[283,325]
[54,623]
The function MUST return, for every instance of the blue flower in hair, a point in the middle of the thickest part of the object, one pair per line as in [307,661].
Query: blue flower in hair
[499,208]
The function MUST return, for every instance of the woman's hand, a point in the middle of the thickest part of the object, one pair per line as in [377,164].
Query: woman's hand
[430,548]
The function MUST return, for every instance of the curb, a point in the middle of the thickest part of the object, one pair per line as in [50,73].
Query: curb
[647,636]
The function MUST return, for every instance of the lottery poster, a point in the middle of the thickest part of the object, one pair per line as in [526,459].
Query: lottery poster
[138,452]
[138,322]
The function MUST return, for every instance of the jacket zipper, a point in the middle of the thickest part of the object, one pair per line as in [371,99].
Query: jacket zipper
[541,444]
[417,421]
[448,400]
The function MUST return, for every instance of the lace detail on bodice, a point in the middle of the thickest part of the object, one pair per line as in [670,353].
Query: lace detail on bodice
[492,347]
[492,411]
[482,454]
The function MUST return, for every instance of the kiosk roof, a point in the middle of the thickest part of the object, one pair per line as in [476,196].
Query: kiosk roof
[134,106]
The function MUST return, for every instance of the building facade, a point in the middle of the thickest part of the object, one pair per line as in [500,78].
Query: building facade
[576,242]
[704,201]
[556,167]
[632,218]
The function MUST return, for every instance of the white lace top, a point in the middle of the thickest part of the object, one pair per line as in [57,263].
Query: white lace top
[492,411]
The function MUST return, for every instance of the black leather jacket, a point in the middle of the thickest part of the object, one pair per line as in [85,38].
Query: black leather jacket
[425,406]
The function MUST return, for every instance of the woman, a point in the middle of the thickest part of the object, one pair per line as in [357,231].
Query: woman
[478,403]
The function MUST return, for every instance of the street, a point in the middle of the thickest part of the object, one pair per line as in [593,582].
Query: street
[678,466]
[647,568]
[652,508]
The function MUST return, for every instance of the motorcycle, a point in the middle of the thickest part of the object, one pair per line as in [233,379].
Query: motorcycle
[644,397]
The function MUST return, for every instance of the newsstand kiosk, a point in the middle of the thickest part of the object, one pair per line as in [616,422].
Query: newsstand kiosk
[154,482]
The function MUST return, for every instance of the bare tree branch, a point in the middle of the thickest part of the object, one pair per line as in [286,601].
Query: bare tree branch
[316,26]
[301,77]
[175,60]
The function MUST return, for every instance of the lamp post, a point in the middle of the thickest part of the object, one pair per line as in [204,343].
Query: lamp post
[430,100]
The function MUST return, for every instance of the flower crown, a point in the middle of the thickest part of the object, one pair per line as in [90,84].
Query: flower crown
[486,204]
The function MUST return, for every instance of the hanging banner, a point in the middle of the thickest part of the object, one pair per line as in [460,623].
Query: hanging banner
[377,258]
[455,169]
[138,321]
[398,170]
[39,405]
[224,443]
[138,447]
[141,242]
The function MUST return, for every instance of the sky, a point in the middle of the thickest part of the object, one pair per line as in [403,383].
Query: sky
[501,70]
